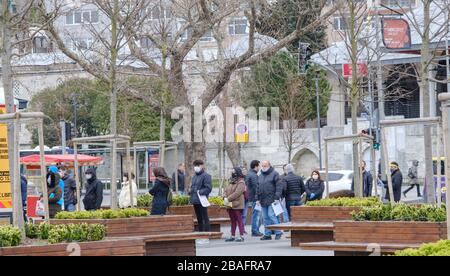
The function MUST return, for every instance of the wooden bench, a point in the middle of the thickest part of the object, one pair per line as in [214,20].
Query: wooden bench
[215,224]
[313,224]
[360,238]
[302,232]
[357,249]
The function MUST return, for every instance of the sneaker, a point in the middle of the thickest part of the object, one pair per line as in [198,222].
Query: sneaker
[266,238]
[257,234]
[231,239]
[278,237]
[241,239]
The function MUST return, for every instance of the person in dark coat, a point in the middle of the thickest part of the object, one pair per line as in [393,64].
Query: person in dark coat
[54,193]
[181,176]
[413,176]
[252,187]
[367,181]
[397,182]
[24,192]
[94,191]
[201,184]
[70,190]
[269,192]
[160,192]
[295,188]
[314,187]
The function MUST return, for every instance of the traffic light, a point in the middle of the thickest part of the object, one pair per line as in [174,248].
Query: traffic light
[374,133]
[68,129]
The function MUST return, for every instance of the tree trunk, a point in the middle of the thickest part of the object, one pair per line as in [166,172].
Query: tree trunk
[234,153]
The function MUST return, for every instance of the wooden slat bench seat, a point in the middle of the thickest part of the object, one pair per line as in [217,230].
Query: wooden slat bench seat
[303,232]
[356,249]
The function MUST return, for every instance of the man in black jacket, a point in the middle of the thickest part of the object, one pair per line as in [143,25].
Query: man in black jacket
[397,182]
[94,191]
[70,190]
[181,177]
[269,192]
[201,185]
[295,188]
[367,181]
[252,188]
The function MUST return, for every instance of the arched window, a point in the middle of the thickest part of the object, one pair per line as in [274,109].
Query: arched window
[40,45]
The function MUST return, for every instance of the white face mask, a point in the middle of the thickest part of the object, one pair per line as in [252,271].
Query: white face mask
[265,169]
[315,177]
[49,180]
[88,176]
[197,169]
[125,179]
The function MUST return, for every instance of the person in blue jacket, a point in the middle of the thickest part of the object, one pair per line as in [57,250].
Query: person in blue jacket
[55,170]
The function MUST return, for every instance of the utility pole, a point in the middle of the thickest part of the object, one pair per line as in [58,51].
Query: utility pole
[316,81]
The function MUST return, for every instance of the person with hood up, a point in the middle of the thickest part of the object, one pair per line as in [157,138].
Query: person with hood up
[235,200]
[124,197]
[160,192]
[268,192]
[94,191]
[54,192]
[397,182]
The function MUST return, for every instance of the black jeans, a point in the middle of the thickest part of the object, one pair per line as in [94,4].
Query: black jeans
[202,218]
[412,187]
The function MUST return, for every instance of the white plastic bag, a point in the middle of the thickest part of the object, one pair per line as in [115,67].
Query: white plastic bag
[203,200]
[277,208]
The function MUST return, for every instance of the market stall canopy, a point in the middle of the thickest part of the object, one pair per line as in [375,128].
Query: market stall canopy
[68,160]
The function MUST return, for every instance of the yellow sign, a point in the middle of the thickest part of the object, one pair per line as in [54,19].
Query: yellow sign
[242,133]
[5,186]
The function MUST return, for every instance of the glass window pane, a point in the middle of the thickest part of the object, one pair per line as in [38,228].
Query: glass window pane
[69,19]
[87,17]
[156,13]
[78,19]
[94,17]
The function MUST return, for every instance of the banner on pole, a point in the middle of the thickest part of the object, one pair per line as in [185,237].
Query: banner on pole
[5,186]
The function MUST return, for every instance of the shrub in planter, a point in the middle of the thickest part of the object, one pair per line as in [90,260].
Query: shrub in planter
[10,236]
[346,202]
[180,201]
[401,212]
[441,248]
[144,201]
[217,201]
[76,233]
[103,214]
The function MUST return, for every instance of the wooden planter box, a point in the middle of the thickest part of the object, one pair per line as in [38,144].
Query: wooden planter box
[214,212]
[389,232]
[322,214]
[143,226]
[124,247]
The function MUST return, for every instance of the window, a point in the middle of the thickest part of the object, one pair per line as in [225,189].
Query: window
[146,43]
[79,44]
[40,45]
[237,27]
[207,37]
[335,176]
[340,24]
[158,13]
[396,4]
[80,17]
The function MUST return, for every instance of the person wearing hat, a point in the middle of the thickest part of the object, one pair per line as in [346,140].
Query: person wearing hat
[397,182]
[234,199]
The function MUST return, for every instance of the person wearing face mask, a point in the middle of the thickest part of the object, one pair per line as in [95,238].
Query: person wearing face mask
[234,195]
[70,190]
[54,191]
[268,192]
[252,188]
[124,197]
[201,184]
[94,191]
[397,182]
[314,187]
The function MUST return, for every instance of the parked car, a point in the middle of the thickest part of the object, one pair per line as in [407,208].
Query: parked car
[338,180]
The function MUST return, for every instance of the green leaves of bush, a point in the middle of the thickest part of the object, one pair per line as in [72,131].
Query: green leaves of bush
[218,201]
[441,248]
[66,233]
[103,214]
[346,202]
[401,212]
[145,201]
[10,236]
[180,201]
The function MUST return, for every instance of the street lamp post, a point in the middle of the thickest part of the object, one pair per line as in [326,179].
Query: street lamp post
[316,81]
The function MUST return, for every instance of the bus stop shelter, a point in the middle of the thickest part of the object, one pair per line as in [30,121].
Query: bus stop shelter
[112,142]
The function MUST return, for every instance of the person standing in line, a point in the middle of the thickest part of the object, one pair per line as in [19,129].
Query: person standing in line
[181,173]
[367,180]
[314,187]
[160,192]
[24,193]
[125,197]
[413,175]
[285,215]
[397,183]
[268,193]
[295,188]
[235,200]
[94,191]
[201,186]
[252,188]
[70,190]
[54,192]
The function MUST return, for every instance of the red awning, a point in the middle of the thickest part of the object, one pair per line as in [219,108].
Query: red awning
[68,160]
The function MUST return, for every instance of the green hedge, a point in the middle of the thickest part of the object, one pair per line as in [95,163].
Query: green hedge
[103,214]
[401,212]
[144,201]
[66,233]
[10,236]
[441,248]
[346,202]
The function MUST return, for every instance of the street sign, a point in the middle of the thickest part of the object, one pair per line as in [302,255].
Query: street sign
[242,133]
[5,186]
[347,70]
